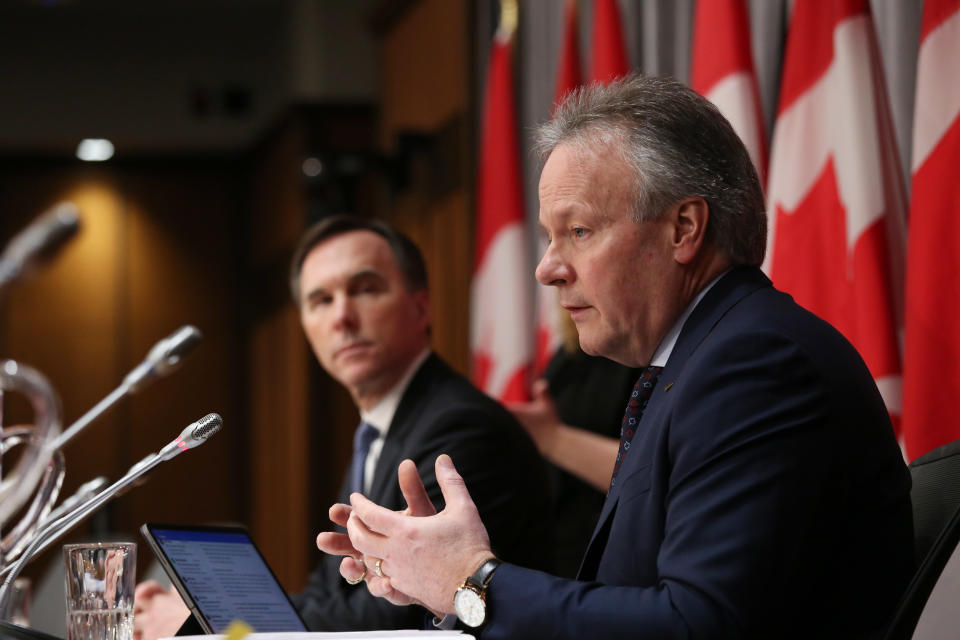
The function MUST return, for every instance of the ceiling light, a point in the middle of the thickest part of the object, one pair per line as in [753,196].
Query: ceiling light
[95,149]
[312,167]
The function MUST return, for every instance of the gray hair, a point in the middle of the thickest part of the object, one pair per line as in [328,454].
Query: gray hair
[678,145]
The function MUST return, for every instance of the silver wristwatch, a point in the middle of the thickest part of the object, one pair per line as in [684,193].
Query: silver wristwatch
[470,601]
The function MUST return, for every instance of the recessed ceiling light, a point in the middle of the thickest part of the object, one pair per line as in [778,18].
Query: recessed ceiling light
[95,149]
[312,167]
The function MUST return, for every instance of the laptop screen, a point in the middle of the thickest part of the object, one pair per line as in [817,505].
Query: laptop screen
[225,577]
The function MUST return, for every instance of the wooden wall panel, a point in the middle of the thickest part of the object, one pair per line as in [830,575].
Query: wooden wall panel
[424,69]
[276,360]
[426,91]
[182,254]
[280,451]
[441,230]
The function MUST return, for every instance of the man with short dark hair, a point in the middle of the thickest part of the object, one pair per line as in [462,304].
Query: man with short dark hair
[758,491]
[361,287]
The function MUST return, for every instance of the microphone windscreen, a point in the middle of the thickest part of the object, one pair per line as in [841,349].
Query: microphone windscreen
[183,341]
[44,236]
[206,427]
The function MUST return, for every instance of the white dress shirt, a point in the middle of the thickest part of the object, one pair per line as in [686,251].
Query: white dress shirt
[381,415]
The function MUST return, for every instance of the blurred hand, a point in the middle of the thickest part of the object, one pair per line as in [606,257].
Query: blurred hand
[157,612]
[539,417]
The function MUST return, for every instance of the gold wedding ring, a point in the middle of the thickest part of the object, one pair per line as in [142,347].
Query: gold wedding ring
[378,568]
[360,579]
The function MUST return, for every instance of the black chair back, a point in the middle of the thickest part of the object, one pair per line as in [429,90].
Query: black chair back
[936,526]
[937,584]
[935,494]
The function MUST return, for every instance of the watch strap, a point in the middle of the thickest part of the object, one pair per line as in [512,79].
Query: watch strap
[482,575]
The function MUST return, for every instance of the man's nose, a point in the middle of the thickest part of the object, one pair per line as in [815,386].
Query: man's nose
[553,270]
[344,313]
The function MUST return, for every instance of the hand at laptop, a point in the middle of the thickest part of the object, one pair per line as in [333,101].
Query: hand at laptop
[157,612]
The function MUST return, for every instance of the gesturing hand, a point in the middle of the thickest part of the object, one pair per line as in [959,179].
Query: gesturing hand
[424,559]
[354,566]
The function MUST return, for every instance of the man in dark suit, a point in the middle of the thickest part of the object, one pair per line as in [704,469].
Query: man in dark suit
[361,287]
[758,492]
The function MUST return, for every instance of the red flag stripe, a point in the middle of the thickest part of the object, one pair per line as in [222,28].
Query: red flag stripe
[499,188]
[721,42]
[935,13]
[931,382]
[835,222]
[811,37]
[722,70]
[501,332]
[568,67]
[609,60]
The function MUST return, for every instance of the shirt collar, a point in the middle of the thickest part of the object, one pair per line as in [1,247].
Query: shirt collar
[381,414]
[662,354]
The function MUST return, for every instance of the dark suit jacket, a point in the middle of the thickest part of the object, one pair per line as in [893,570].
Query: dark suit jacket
[441,412]
[764,495]
[589,392]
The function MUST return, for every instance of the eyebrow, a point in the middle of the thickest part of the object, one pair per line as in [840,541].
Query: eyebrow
[363,274]
[366,274]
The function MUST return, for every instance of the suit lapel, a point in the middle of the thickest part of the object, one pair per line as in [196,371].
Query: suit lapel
[404,420]
[727,292]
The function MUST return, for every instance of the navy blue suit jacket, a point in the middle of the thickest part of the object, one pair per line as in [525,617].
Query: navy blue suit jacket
[764,495]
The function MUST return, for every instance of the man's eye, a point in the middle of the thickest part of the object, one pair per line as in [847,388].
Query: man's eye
[579,232]
[367,287]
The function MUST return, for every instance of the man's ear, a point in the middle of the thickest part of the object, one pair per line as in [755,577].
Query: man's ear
[422,300]
[689,219]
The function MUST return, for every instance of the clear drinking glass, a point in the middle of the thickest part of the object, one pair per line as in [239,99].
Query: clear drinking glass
[18,608]
[100,580]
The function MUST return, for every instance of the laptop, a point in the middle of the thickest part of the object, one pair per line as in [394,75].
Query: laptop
[222,577]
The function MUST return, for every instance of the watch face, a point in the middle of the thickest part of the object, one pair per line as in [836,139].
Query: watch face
[470,607]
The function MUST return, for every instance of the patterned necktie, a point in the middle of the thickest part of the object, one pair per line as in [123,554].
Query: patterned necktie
[366,433]
[631,417]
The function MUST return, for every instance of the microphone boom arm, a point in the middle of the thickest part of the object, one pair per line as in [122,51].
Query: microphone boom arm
[194,435]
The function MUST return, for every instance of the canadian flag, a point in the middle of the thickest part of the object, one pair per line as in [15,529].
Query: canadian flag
[501,332]
[835,196]
[722,71]
[931,372]
[609,60]
[568,79]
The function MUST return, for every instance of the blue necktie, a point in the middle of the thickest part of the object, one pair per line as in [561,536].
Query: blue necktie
[366,433]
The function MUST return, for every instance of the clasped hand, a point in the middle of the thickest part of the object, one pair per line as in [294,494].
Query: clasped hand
[424,555]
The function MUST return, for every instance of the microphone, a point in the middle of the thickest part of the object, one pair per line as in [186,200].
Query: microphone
[163,358]
[86,491]
[194,435]
[38,242]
